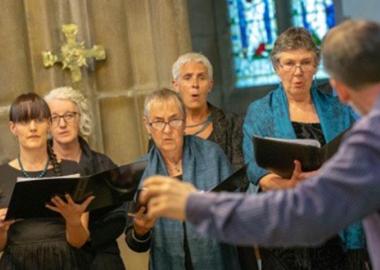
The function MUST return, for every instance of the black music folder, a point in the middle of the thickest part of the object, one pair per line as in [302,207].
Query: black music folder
[278,155]
[236,182]
[110,188]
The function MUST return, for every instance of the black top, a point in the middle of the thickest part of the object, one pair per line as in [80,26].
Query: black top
[38,243]
[330,254]
[228,133]
[309,131]
[107,225]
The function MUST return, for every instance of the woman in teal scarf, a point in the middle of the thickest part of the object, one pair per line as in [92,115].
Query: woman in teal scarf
[175,245]
[297,109]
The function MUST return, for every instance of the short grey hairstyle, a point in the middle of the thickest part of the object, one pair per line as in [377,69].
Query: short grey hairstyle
[68,93]
[189,57]
[351,53]
[161,96]
[294,38]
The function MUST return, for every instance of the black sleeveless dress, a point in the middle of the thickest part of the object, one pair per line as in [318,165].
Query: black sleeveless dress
[38,243]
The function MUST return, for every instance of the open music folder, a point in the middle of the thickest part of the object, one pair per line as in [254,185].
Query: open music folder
[110,188]
[278,155]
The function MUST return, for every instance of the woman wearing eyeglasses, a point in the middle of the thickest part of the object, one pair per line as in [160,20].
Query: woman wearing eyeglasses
[175,245]
[297,109]
[71,124]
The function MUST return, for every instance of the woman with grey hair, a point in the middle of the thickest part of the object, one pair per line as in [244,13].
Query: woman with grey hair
[298,109]
[192,75]
[175,245]
[71,124]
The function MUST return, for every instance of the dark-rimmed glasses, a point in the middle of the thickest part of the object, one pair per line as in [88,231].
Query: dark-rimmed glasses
[160,125]
[68,117]
[291,66]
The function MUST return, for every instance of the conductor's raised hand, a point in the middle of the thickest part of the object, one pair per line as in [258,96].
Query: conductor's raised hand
[69,210]
[166,197]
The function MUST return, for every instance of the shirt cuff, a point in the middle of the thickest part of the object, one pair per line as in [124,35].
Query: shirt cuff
[141,239]
[198,206]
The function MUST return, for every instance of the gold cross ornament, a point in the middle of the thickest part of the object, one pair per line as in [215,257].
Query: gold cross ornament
[73,54]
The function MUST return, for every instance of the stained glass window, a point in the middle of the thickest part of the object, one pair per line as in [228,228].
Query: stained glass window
[253,32]
[317,16]
[253,27]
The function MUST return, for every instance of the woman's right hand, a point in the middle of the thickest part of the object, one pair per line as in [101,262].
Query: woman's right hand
[273,181]
[142,224]
[4,224]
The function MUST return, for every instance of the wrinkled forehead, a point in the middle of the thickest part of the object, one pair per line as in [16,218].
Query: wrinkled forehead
[165,109]
[296,55]
[60,105]
[193,66]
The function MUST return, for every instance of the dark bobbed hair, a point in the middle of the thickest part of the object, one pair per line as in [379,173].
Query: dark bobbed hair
[351,53]
[27,107]
[294,38]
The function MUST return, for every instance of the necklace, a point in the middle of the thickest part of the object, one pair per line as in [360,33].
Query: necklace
[41,174]
[202,128]
[202,125]
[176,167]
[208,119]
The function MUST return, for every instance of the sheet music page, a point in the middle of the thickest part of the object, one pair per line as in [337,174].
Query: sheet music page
[310,142]
[26,179]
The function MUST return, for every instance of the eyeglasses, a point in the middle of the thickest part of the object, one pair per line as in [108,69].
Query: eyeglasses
[160,125]
[291,66]
[68,117]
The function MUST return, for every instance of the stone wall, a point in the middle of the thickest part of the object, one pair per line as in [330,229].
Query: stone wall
[142,39]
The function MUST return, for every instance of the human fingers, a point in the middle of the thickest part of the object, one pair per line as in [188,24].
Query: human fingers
[53,208]
[69,199]
[305,175]
[157,180]
[162,208]
[87,202]
[4,225]
[153,190]
[297,171]
[57,201]
[140,212]
[3,212]
[2,216]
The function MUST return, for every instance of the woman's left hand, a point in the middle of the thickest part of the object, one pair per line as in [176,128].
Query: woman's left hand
[71,211]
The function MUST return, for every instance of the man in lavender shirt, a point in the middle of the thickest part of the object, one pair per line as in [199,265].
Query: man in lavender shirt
[346,189]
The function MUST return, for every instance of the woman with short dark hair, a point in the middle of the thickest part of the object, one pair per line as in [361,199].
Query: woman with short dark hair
[40,243]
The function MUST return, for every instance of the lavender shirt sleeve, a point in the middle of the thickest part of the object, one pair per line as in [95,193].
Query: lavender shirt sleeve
[347,189]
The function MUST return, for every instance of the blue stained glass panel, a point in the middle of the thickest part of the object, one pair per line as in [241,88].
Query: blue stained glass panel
[317,16]
[253,32]
[254,29]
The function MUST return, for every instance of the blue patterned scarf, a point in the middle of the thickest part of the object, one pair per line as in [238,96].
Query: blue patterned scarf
[204,165]
[269,116]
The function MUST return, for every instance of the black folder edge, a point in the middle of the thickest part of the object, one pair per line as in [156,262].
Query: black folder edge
[136,168]
[325,153]
[232,183]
